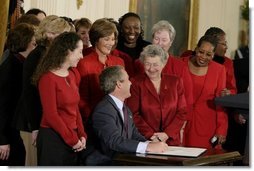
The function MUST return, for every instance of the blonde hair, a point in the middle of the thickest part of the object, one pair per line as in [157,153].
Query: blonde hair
[51,23]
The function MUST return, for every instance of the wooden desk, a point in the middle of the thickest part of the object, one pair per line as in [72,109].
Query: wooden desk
[211,157]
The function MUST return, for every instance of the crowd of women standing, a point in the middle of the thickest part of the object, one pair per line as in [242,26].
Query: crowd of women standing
[49,86]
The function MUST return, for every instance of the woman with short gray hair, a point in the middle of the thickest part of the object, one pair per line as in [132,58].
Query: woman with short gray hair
[163,35]
[157,99]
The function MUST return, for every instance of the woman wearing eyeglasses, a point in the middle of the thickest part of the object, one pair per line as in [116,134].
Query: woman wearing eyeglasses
[157,100]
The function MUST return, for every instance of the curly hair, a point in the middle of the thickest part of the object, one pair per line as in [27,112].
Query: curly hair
[56,54]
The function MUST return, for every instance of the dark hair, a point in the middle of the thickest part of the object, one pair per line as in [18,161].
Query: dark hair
[112,20]
[101,28]
[19,37]
[215,31]
[35,11]
[29,19]
[68,19]
[109,77]
[208,38]
[83,22]
[56,54]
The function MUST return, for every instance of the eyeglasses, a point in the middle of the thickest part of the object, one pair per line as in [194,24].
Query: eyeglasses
[224,43]
[154,65]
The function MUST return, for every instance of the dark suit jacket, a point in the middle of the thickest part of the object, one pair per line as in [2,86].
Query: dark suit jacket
[108,129]
[29,110]
[241,67]
[10,90]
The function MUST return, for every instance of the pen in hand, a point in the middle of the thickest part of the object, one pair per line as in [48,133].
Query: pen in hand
[158,138]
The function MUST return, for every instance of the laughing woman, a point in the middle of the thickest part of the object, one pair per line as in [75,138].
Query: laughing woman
[208,79]
[157,100]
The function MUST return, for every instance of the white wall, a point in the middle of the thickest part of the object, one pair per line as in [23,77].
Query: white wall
[92,9]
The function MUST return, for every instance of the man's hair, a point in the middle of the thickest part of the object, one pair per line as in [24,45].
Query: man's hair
[109,77]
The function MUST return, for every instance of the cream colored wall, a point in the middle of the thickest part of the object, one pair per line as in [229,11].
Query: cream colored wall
[219,13]
[92,9]
[224,14]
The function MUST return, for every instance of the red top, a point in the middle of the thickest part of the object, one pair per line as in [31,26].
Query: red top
[90,93]
[230,75]
[177,67]
[207,119]
[163,112]
[132,66]
[60,99]
[230,82]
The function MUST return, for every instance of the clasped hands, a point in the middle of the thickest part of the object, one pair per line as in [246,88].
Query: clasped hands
[81,144]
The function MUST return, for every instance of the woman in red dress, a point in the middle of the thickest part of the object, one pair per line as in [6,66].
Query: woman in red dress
[208,79]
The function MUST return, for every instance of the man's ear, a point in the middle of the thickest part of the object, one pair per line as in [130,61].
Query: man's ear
[118,84]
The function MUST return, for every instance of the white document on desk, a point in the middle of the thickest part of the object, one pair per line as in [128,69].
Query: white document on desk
[182,151]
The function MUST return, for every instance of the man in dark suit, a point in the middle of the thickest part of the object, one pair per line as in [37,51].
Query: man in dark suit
[113,127]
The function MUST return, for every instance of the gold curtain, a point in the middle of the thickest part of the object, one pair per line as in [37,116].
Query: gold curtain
[133,6]
[4,9]
[193,24]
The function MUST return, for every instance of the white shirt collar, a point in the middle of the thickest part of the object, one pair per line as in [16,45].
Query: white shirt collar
[118,102]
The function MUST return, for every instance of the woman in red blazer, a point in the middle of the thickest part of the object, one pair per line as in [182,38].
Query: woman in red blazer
[208,79]
[157,100]
[103,34]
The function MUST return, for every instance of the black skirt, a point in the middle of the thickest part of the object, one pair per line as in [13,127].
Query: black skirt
[53,151]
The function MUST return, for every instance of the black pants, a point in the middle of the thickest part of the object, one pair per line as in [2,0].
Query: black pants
[53,151]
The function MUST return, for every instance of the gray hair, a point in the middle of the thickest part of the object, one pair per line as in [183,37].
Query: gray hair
[109,77]
[153,51]
[163,24]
